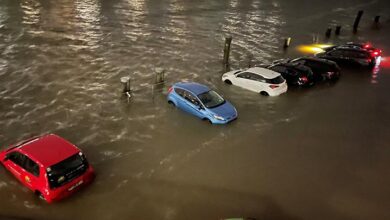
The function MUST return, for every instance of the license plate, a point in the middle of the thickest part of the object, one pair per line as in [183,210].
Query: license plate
[75,185]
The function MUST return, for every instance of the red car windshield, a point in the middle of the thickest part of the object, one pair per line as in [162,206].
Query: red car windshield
[67,170]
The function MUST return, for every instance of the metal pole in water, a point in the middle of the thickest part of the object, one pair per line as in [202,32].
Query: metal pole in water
[328,32]
[357,20]
[160,75]
[338,30]
[226,50]
[126,84]
[376,19]
[287,42]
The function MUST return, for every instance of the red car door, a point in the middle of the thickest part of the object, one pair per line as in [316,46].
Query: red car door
[31,173]
[23,168]
[14,165]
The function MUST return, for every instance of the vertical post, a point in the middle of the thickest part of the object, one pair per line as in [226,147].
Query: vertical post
[376,19]
[328,32]
[316,38]
[160,75]
[226,50]
[287,42]
[338,30]
[126,84]
[357,20]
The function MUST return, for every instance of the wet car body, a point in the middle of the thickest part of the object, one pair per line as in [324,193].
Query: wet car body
[323,69]
[295,74]
[257,79]
[352,54]
[48,165]
[201,101]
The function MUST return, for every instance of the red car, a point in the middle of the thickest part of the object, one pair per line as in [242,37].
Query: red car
[49,165]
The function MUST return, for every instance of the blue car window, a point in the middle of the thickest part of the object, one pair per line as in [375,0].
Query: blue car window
[211,99]
[191,98]
[180,92]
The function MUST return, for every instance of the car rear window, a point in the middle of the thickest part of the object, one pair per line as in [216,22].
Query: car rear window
[276,80]
[67,170]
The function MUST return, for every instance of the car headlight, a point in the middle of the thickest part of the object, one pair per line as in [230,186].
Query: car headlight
[218,117]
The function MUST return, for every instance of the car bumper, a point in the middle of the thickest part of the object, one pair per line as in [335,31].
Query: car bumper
[226,121]
[278,91]
[71,187]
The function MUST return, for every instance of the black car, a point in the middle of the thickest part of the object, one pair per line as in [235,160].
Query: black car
[364,46]
[322,69]
[294,74]
[351,55]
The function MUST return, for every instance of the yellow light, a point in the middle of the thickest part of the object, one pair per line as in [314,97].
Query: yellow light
[313,48]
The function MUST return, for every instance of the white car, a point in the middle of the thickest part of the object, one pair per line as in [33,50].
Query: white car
[257,79]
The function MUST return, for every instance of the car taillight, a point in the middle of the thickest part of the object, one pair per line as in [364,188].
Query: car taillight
[303,79]
[367,46]
[170,89]
[273,86]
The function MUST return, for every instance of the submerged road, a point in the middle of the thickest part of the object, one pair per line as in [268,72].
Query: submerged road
[320,153]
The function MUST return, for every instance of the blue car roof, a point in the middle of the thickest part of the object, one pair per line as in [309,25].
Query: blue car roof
[195,88]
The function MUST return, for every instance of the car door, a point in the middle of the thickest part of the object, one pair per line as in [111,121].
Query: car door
[32,172]
[14,164]
[192,104]
[180,98]
[259,83]
[246,81]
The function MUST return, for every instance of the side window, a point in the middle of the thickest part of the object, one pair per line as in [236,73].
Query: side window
[257,77]
[189,97]
[336,53]
[280,69]
[31,167]
[302,62]
[360,55]
[17,158]
[244,75]
[180,92]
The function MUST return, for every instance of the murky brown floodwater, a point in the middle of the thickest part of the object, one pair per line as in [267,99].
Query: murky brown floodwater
[321,153]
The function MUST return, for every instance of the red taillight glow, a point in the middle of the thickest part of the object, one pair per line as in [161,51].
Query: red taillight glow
[170,89]
[303,79]
[273,86]
[367,46]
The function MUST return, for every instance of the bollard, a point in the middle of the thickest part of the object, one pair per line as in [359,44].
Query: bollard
[316,38]
[160,75]
[287,42]
[126,84]
[338,30]
[226,50]
[376,19]
[328,32]
[357,20]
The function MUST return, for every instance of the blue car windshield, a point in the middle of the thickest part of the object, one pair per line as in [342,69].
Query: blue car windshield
[211,99]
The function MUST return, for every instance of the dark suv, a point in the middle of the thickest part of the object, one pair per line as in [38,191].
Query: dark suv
[351,55]
[294,74]
[322,69]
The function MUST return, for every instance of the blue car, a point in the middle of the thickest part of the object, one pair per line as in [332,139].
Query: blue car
[201,101]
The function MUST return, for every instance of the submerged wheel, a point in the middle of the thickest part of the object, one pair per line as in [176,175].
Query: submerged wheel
[208,120]
[228,82]
[171,103]
[264,93]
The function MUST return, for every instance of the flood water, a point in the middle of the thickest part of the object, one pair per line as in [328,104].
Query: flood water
[320,153]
